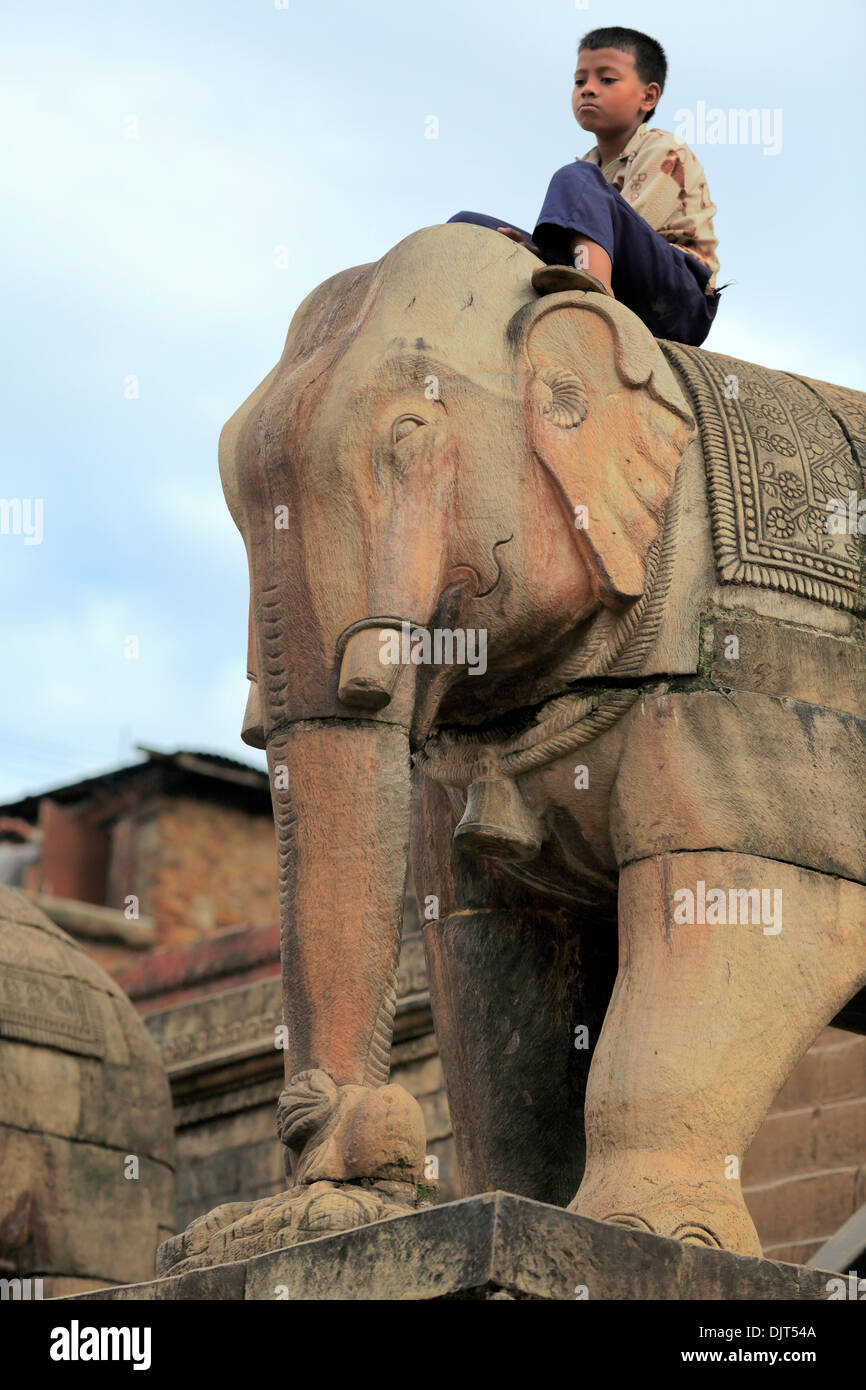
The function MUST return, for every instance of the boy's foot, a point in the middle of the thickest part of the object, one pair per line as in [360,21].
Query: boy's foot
[552,279]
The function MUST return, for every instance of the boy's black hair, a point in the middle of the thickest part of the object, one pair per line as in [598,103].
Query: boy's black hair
[651,64]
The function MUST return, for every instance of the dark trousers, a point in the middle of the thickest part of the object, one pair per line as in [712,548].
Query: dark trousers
[662,284]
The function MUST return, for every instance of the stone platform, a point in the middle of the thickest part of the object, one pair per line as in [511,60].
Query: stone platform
[493,1246]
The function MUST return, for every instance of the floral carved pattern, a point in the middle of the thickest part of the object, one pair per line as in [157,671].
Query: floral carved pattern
[778,448]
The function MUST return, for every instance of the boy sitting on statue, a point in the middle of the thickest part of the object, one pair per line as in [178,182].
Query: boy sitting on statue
[633,217]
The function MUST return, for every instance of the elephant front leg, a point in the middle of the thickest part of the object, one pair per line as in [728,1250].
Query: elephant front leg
[730,965]
[354,1143]
[342,807]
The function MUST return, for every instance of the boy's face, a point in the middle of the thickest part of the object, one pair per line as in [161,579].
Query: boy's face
[608,96]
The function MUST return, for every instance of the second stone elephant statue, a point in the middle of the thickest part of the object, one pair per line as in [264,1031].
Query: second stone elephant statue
[571,619]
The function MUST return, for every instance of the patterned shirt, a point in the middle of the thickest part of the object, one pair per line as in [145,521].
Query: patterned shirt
[661,178]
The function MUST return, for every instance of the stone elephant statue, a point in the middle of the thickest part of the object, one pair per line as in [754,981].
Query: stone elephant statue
[570,619]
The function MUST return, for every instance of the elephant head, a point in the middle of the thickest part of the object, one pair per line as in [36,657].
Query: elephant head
[418,461]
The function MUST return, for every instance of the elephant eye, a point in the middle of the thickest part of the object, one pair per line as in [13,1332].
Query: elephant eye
[404,425]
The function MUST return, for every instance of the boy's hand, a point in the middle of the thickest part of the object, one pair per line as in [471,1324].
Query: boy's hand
[516,236]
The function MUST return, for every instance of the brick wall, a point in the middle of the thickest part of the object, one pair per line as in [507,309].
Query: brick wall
[195,865]
[133,854]
[208,867]
[805,1173]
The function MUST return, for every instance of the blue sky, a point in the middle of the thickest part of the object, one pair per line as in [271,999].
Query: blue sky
[304,126]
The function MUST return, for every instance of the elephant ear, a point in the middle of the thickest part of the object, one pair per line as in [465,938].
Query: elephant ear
[609,423]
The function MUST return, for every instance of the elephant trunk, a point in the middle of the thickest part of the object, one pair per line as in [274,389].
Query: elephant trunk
[341,794]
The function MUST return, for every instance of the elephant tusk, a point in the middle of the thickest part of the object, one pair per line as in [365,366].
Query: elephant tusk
[366,682]
[252,731]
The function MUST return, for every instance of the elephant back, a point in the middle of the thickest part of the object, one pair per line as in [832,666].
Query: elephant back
[783,455]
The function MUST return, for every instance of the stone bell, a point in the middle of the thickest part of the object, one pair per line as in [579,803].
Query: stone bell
[497,823]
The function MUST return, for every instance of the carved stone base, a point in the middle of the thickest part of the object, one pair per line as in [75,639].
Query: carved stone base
[242,1230]
[492,1246]
[356,1155]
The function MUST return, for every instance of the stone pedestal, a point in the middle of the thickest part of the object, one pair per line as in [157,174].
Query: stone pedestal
[493,1246]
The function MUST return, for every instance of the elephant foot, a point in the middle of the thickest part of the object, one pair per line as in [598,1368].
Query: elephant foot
[344,1133]
[240,1230]
[701,1212]
[356,1155]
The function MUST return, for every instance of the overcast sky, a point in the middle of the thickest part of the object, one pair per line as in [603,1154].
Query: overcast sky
[155,155]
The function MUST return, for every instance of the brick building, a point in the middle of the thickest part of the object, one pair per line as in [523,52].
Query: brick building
[168,850]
